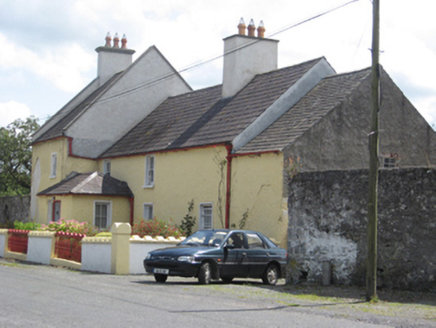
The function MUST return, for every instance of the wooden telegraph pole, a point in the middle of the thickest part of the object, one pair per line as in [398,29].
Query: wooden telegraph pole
[371,267]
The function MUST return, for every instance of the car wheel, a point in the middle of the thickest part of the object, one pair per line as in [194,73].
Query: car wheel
[160,277]
[227,280]
[204,274]
[271,275]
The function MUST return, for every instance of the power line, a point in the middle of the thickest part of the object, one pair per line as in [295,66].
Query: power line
[206,61]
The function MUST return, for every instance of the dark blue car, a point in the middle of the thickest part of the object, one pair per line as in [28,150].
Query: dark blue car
[220,254]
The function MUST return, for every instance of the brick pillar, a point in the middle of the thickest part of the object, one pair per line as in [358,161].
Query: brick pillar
[120,248]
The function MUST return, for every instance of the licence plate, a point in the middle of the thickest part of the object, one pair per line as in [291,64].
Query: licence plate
[161,271]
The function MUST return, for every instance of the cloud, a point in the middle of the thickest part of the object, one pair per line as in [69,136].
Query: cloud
[12,110]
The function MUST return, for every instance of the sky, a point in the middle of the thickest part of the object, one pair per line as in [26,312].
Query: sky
[47,47]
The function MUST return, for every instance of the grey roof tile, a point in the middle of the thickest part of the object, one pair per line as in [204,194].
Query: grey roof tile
[202,117]
[93,183]
[328,94]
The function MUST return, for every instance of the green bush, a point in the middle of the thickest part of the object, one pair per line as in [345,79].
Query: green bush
[155,228]
[71,226]
[18,225]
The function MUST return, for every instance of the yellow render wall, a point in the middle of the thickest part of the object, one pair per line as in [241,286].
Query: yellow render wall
[65,164]
[257,194]
[180,176]
[81,208]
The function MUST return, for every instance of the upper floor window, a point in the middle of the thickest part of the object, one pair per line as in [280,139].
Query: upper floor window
[106,167]
[102,214]
[206,219]
[147,213]
[149,171]
[389,161]
[54,163]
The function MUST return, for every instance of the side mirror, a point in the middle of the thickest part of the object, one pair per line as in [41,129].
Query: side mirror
[229,246]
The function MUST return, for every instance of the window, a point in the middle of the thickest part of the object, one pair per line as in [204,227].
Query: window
[54,163]
[236,239]
[102,214]
[389,161]
[147,213]
[106,167]
[206,220]
[149,171]
[254,241]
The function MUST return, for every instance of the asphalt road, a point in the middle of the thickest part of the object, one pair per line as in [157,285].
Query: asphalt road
[44,296]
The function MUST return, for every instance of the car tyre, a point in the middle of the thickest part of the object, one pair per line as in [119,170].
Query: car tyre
[271,275]
[205,274]
[160,277]
[227,280]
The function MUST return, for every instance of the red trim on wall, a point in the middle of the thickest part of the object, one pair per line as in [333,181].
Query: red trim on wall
[228,184]
[132,202]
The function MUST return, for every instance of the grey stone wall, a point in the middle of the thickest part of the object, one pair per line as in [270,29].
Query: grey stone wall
[14,208]
[327,222]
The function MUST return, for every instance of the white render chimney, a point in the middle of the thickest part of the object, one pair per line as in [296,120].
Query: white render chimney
[246,56]
[113,59]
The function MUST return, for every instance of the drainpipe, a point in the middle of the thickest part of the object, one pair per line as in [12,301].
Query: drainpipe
[131,200]
[228,184]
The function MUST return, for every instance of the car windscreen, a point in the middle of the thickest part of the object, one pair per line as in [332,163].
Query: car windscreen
[205,238]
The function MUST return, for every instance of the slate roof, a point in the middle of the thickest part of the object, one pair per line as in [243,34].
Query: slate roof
[93,183]
[202,117]
[57,129]
[326,96]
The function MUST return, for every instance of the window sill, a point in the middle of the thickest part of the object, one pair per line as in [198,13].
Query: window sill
[148,186]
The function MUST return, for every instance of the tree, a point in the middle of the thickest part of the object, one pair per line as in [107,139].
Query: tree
[16,156]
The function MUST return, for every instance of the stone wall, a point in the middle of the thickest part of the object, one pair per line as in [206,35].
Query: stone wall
[14,208]
[327,223]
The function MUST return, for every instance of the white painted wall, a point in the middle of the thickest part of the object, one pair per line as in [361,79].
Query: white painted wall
[96,256]
[138,252]
[39,248]
[3,242]
[244,57]
[141,88]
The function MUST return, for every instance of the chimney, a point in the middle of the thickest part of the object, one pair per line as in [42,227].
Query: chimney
[246,56]
[113,59]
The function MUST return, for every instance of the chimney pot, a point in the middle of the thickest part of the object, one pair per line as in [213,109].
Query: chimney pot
[124,42]
[251,28]
[108,40]
[261,30]
[116,41]
[242,27]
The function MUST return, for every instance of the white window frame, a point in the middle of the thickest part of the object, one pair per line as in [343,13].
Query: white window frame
[109,213]
[150,169]
[202,225]
[147,209]
[53,165]
[107,166]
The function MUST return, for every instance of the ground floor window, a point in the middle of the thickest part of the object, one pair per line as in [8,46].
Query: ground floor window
[206,219]
[102,214]
[147,213]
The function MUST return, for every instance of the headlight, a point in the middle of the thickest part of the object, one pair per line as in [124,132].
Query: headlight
[186,259]
[148,256]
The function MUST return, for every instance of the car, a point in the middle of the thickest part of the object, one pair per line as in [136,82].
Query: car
[219,254]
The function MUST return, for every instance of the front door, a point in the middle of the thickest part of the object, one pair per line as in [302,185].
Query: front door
[56,212]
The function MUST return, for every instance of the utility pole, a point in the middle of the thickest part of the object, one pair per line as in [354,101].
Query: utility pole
[371,266]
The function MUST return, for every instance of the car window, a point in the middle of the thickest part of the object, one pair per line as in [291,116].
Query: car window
[254,241]
[236,239]
[206,238]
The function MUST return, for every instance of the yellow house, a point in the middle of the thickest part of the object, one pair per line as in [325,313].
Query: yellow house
[135,146]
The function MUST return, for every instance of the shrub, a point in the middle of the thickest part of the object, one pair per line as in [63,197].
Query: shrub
[71,226]
[155,228]
[18,225]
[188,222]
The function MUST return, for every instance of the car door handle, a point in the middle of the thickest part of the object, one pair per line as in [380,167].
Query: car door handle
[244,254]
